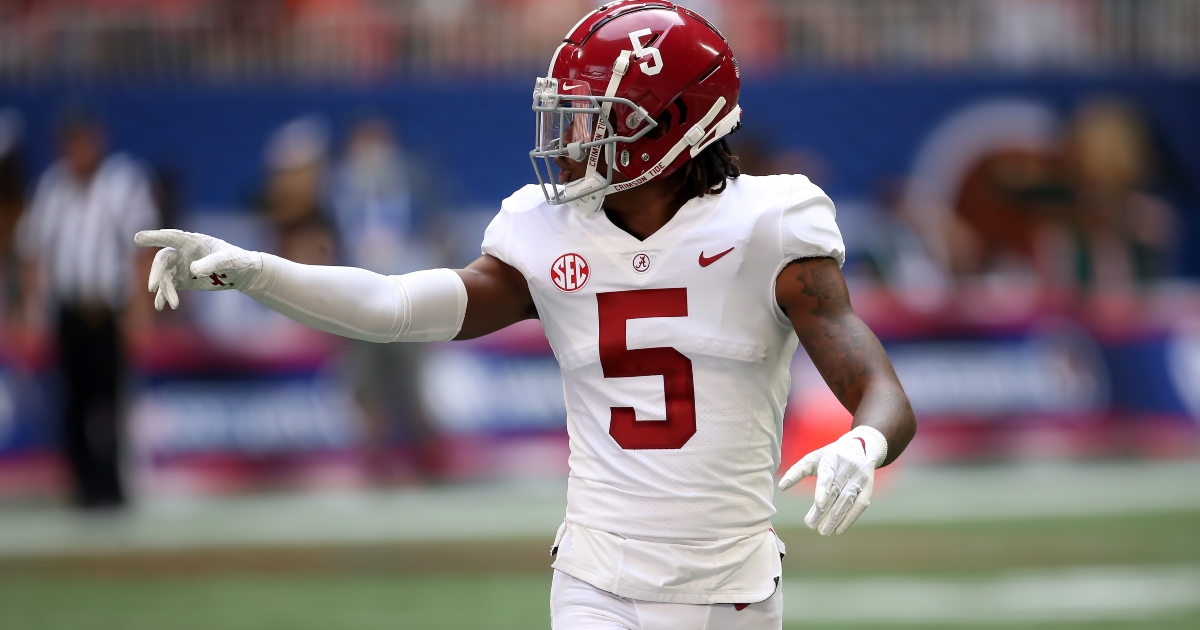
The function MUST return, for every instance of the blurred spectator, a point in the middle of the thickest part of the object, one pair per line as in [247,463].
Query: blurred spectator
[1010,216]
[1124,236]
[311,241]
[376,205]
[79,232]
[296,162]
[376,202]
[986,193]
[1032,203]
[12,204]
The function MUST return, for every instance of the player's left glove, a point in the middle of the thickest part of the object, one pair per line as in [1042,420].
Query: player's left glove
[845,473]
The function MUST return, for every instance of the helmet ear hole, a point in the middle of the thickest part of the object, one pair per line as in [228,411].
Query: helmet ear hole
[663,127]
[666,120]
[683,111]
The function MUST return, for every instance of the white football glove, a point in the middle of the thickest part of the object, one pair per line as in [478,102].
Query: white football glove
[195,261]
[845,473]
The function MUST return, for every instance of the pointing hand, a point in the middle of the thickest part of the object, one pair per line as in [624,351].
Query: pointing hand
[195,261]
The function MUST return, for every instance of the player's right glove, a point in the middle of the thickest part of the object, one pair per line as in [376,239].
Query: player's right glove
[195,261]
[845,473]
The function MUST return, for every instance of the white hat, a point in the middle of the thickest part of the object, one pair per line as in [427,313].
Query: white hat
[299,143]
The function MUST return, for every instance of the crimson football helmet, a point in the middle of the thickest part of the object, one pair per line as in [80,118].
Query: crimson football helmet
[623,71]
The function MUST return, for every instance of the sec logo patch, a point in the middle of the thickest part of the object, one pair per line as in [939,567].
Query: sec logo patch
[570,272]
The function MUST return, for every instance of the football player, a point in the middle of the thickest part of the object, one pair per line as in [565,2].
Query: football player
[674,293]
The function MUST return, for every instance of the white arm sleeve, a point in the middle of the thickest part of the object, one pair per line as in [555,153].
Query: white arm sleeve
[351,302]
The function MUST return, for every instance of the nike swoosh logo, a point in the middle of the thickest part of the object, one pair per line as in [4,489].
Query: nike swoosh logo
[704,262]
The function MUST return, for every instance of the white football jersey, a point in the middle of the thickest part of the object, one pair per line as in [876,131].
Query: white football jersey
[675,361]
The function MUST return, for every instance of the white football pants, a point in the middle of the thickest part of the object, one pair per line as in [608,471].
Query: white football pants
[577,605]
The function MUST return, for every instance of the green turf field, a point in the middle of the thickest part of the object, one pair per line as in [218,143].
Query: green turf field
[1145,556]
[499,601]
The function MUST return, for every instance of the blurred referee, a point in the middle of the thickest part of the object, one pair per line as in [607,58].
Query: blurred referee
[77,234]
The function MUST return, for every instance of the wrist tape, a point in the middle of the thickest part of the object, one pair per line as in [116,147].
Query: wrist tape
[873,443]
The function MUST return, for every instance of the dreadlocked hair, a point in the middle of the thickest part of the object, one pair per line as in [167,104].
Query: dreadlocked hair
[709,172]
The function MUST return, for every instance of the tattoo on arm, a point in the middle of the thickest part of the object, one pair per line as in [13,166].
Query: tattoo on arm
[813,294]
[842,347]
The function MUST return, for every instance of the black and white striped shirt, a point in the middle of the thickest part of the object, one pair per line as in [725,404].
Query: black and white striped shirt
[83,231]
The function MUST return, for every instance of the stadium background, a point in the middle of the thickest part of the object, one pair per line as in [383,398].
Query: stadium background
[1053,482]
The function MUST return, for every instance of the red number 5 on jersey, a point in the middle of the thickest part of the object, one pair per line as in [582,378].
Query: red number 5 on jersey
[618,361]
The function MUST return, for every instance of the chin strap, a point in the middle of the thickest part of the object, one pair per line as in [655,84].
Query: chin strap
[620,67]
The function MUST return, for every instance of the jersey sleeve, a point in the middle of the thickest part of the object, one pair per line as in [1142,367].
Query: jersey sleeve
[501,239]
[807,225]
[497,238]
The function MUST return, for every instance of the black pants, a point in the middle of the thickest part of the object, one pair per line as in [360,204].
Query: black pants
[92,366]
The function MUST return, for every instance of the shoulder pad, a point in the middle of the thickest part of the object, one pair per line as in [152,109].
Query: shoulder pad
[527,198]
[765,194]
[803,188]
[784,183]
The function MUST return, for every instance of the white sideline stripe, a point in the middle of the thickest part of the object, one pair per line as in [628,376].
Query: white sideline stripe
[535,509]
[1076,595]
[1018,491]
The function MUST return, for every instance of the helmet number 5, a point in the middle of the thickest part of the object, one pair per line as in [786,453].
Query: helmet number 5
[639,51]
[619,361]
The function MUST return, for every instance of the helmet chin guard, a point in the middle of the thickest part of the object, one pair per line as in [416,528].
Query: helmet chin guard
[671,71]
[587,195]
